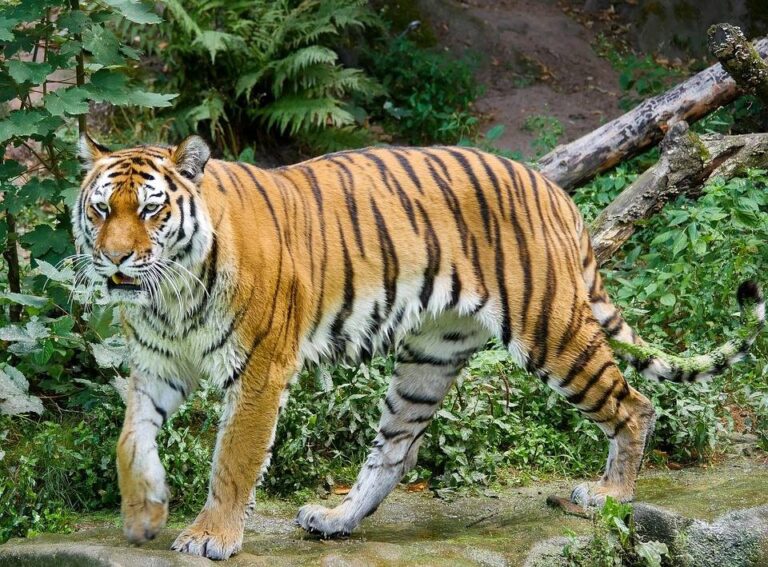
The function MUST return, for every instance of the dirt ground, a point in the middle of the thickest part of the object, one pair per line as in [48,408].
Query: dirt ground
[534,59]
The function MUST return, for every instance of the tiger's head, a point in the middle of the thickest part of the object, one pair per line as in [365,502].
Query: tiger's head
[140,216]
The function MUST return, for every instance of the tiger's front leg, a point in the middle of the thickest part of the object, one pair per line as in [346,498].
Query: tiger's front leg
[141,477]
[246,434]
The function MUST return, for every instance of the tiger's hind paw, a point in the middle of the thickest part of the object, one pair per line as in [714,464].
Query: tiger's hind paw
[594,494]
[322,521]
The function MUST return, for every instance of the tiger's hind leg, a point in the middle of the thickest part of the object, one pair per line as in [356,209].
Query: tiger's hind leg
[584,371]
[428,362]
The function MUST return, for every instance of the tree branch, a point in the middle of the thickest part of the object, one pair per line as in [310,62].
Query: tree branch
[643,126]
[739,58]
[687,161]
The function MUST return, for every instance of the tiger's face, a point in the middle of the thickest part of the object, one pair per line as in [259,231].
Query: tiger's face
[140,217]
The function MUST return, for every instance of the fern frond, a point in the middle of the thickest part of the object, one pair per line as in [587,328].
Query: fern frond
[295,113]
[216,41]
[291,67]
[182,18]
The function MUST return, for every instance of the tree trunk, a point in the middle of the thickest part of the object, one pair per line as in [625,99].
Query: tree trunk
[643,126]
[11,255]
[687,161]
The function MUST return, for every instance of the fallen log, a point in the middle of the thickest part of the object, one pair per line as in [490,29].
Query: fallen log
[739,59]
[643,126]
[687,161]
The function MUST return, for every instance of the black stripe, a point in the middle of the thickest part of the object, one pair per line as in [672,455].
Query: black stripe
[454,337]
[452,202]
[455,287]
[406,165]
[418,399]
[349,292]
[598,406]
[347,185]
[389,260]
[582,360]
[222,339]
[389,435]
[579,396]
[506,329]
[478,269]
[522,246]
[492,176]
[386,176]
[433,258]
[619,426]
[481,200]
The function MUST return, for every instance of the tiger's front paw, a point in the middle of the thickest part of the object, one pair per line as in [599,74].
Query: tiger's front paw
[595,494]
[208,539]
[144,514]
[324,522]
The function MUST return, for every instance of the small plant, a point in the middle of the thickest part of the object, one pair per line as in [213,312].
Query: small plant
[614,542]
[429,95]
[548,130]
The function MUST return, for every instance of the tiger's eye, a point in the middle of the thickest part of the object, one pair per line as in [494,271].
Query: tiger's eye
[102,207]
[151,208]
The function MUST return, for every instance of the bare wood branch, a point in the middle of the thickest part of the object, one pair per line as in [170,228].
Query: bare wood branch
[739,58]
[687,161]
[643,126]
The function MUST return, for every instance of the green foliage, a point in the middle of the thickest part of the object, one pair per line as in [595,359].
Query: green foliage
[51,343]
[429,95]
[57,468]
[614,542]
[495,418]
[548,130]
[679,275]
[243,67]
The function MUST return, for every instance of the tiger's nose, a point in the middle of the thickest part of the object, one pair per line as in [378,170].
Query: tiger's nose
[117,257]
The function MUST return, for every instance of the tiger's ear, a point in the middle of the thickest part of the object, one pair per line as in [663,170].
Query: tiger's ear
[190,158]
[90,151]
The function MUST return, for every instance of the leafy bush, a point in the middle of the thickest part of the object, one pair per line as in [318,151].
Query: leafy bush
[55,469]
[247,67]
[429,95]
[676,281]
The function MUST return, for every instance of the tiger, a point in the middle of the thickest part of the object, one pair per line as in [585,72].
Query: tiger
[243,276]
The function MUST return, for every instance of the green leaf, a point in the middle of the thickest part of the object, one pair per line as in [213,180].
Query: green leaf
[494,133]
[6,28]
[53,274]
[26,123]
[23,299]
[216,41]
[148,99]
[111,353]
[680,243]
[668,299]
[67,101]
[103,45]
[26,72]
[14,393]
[135,11]
[109,86]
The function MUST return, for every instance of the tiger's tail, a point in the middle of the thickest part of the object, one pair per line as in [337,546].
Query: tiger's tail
[653,362]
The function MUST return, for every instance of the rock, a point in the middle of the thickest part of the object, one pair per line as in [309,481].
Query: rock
[736,539]
[418,530]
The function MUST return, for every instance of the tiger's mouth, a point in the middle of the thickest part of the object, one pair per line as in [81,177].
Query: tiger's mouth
[121,281]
